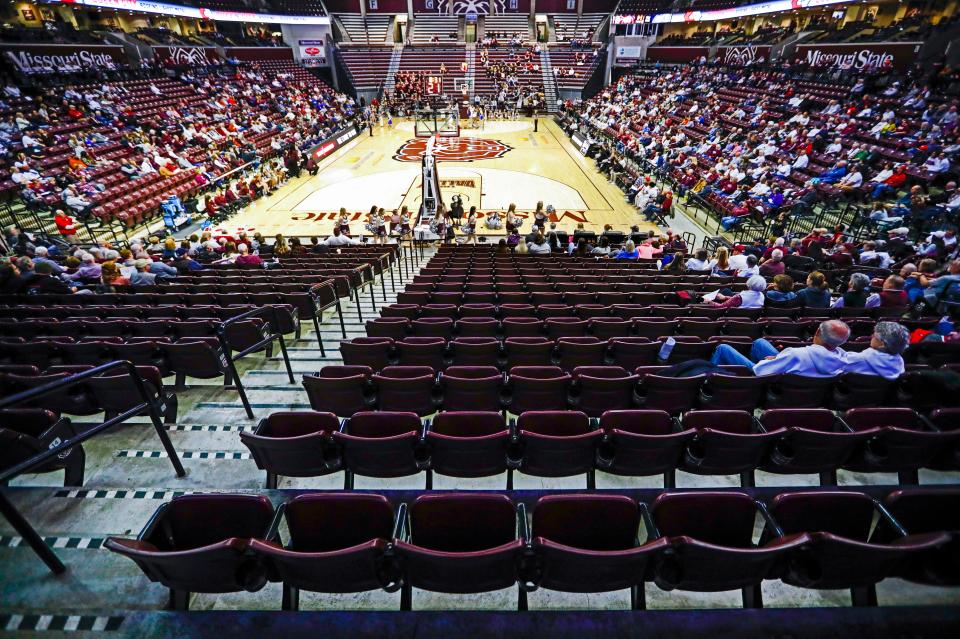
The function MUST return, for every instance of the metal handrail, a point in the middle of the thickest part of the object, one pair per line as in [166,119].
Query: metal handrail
[268,336]
[149,403]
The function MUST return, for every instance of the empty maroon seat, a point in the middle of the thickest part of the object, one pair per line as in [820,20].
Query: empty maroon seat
[460,543]
[433,327]
[200,357]
[905,442]
[712,547]
[337,544]
[199,543]
[116,394]
[608,327]
[642,442]
[580,351]
[406,388]
[922,511]
[537,388]
[475,351]
[727,442]
[468,444]
[556,444]
[25,432]
[478,327]
[813,441]
[481,309]
[854,390]
[597,389]
[577,555]
[341,390]
[947,420]
[409,311]
[517,310]
[732,391]
[528,351]
[422,351]
[672,394]
[294,444]
[521,326]
[381,444]
[630,352]
[841,550]
[439,310]
[565,326]
[797,391]
[654,328]
[373,352]
[474,388]
[392,327]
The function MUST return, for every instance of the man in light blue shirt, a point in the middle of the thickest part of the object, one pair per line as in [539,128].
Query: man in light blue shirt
[824,358]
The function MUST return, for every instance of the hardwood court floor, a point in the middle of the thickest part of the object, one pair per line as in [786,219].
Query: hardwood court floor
[505,162]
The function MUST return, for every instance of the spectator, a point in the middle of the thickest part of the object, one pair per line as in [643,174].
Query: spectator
[246,259]
[816,294]
[781,291]
[824,358]
[857,293]
[883,358]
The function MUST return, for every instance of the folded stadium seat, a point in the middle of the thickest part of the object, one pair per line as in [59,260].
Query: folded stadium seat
[479,295]
[392,327]
[609,327]
[478,327]
[341,390]
[668,311]
[546,311]
[422,351]
[843,548]
[194,328]
[687,347]
[597,389]
[639,443]
[438,310]
[813,441]
[517,310]
[407,388]
[737,389]
[453,298]
[704,311]
[378,444]
[947,420]
[374,352]
[33,353]
[699,327]
[905,442]
[89,351]
[558,327]
[118,393]
[26,432]
[410,311]
[788,328]
[728,442]
[580,351]
[75,400]
[199,543]
[472,388]
[417,298]
[590,311]
[922,511]
[198,312]
[672,394]
[521,326]
[744,313]
[797,391]
[711,544]
[433,327]
[853,390]
[654,328]
[555,444]
[575,555]
[608,296]
[152,328]
[200,357]
[512,295]
[294,444]
[478,309]
[631,352]
[474,351]
[102,328]
[541,298]
[337,544]
[461,543]
[579,297]
[537,388]
[468,444]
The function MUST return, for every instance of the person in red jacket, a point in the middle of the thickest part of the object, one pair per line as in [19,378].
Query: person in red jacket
[892,184]
[66,225]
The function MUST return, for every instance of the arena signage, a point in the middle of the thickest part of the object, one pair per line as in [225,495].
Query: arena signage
[743,56]
[312,53]
[187,56]
[760,8]
[858,57]
[33,58]
[676,54]
[180,11]
[333,143]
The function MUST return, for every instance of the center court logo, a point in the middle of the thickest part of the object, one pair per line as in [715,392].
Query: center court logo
[453,149]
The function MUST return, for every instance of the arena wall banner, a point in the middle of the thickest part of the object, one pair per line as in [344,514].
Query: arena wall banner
[32,58]
[187,56]
[248,54]
[628,54]
[312,53]
[676,54]
[859,56]
[743,55]
[334,142]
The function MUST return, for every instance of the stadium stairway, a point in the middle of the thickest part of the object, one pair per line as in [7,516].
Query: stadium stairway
[549,81]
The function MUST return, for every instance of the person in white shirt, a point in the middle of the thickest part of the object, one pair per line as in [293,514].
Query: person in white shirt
[824,358]
[539,246]
[802,161]
[870,253]
[883,358]
[338,239]
[851,180]
[834,147]
[737,261]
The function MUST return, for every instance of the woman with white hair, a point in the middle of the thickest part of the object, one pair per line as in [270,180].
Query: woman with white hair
[774,266]
[752,297]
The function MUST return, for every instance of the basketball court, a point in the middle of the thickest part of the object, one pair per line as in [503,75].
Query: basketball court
[502,163]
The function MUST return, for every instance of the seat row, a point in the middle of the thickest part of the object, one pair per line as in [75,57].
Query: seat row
[172,321]
[345,390]
[633,443]
[397,327]
[466,543]
[543,310]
